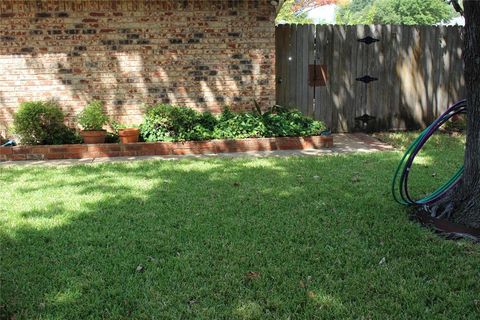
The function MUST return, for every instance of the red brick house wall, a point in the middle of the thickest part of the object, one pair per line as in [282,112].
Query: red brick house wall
[204,54]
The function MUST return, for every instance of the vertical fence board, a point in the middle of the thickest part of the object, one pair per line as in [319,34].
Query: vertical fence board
[288,63]
[291,66]
[359,71]
[430,66]
[323,94]
[391,46]
[278,64]
[304,40]
[280,45]
[441,97]
[300,81]
[352,30]
[456,66]
[329,57]
[366,71]
[447,55]
[320,92]
[335,83]
[403,71]
[311,60]
[347,79]
[383,107]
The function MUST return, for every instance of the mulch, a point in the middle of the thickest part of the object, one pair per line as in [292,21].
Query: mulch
[446,228]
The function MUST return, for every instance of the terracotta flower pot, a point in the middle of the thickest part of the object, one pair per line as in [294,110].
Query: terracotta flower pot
[129,135]
[93,136]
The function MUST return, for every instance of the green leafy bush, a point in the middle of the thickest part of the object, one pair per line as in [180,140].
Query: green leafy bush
[291,123]
[170,123]
[92,117]
[239,125]
[40,122]
[165,122]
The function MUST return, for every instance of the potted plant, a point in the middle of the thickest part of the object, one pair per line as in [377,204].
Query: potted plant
[127,134]
[92,119]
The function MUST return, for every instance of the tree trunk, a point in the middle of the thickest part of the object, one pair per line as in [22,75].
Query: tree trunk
[467,198]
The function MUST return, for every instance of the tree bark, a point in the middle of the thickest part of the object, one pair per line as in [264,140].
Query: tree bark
[467,197]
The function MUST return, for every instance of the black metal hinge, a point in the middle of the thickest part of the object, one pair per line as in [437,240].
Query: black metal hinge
[368,40]
[366,79]
[365,118]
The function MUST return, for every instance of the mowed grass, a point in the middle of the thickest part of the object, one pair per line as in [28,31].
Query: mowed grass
[270,238]
[438,160]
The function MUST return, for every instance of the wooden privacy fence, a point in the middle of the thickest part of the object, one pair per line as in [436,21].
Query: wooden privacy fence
[369,77]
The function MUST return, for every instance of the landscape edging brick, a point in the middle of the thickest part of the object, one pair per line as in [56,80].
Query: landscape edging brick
[81,151]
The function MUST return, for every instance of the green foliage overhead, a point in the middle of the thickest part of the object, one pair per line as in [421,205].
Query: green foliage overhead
[92,117]
[40,122]
[408,12]
[287,14]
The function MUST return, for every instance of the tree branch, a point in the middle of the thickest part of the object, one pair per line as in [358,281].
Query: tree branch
[456,6]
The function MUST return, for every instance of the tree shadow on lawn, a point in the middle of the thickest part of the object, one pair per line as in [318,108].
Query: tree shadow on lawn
[241,238]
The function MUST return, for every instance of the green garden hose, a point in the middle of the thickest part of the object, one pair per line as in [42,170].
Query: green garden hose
[400,189]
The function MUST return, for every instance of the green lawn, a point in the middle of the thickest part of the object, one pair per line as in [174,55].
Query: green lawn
[272,238]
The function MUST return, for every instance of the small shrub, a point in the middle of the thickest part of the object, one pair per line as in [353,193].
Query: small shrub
[291,123]
[207,120]
[40,122]
[92,117]
[239,125]
[65,135]
[204,128]
[165,122]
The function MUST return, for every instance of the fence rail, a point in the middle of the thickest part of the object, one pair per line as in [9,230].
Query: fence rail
[369,77]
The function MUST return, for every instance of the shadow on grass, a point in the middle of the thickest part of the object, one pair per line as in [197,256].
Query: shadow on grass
[181,240]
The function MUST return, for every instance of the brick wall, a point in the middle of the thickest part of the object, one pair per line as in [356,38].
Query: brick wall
[200,53]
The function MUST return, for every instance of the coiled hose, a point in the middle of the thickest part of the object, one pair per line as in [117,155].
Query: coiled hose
[400,179]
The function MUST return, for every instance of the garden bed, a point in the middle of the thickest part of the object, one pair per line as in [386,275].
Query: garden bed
[79,151]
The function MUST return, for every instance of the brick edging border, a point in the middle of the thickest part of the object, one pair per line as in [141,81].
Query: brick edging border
[81,151]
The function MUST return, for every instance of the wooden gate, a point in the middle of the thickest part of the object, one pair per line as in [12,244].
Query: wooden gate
[369,77]
[295,51]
